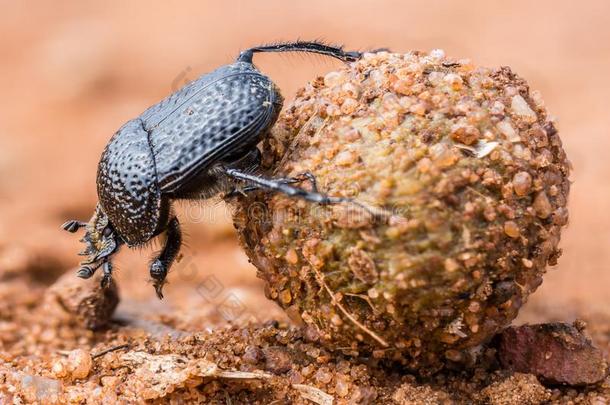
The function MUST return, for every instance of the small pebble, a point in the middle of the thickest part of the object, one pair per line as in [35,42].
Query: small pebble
[508,131]
[464,133]
[333,79]
[323,376]
[341,386]
[521,108]
[291,256]
[555,352]
[252,355]
[453,355]
[277,360]
[59,369]
[79,363]
[511,229]
[454,80]
[542,205]
[522,183]
[349,106]
[285,297]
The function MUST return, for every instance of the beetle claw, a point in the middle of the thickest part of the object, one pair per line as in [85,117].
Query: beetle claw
[158,271]
[106,280]
[107,277]
[85,272]
[72,226]
[159,289]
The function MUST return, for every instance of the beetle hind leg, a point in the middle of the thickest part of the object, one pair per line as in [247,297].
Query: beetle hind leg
[161,264]
[302,46]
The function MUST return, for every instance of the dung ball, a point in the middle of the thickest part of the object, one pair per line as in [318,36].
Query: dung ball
[458,185]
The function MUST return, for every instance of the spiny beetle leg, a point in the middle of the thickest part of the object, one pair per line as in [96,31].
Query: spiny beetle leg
[88,270]
[85,272]
[302,46]
[284,188]
[305,176]
[107,277]
[241,191]
[160,266]
[73,225]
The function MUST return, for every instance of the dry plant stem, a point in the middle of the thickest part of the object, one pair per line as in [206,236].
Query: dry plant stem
[314,394]
[349,316]
[109,350]
[306,391]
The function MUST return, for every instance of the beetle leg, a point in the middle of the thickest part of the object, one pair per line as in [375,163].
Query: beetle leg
[297,192]
[88,270]
[161,265]
[283,187]
[299,178]
[241,191]
[73,225]
[309,47]
[302,46]
[107,276]
[306,176]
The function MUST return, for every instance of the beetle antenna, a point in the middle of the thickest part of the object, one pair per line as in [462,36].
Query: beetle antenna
[302,46]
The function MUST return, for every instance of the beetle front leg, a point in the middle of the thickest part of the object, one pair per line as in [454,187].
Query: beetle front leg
[73,225]
[107,276]
[88,270]
[160,266]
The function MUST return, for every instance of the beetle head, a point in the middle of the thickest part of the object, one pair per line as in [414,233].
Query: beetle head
[100,240]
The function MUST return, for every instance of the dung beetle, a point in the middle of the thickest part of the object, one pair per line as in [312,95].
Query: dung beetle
[198,142]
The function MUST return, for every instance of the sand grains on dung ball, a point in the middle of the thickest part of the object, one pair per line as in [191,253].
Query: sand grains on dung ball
[473,183]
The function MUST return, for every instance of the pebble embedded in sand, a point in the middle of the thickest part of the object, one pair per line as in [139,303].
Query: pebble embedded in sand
[79,363]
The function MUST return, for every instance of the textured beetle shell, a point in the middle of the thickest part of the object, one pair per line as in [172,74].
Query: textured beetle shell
[127,184]
[220,114]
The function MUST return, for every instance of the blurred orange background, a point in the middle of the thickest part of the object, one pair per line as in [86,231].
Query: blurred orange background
[73,72]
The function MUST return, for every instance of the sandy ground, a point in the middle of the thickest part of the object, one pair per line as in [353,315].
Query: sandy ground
[72,73]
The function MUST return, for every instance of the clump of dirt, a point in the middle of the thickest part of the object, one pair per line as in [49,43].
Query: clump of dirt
[86,301]
[459,186]
[557,353]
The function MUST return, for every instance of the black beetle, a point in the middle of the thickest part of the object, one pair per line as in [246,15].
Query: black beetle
[194,144]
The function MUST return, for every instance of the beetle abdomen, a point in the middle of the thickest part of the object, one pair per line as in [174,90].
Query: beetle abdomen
[127,184]
[212,118]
